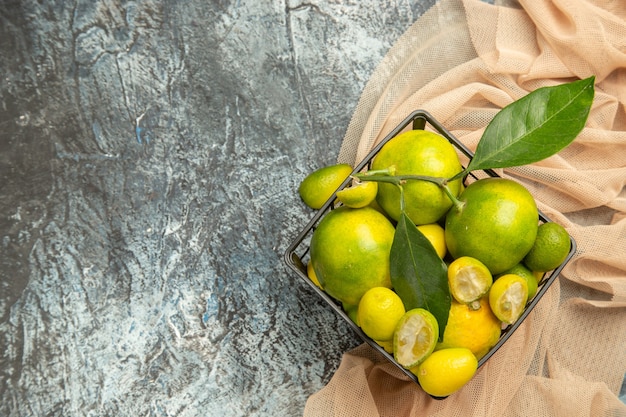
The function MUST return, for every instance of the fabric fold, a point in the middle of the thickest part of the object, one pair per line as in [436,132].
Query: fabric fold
[462,61]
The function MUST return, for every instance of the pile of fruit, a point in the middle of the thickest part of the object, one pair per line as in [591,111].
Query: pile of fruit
[430,264]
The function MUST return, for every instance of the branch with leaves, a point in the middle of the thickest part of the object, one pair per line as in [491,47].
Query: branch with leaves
[528,130]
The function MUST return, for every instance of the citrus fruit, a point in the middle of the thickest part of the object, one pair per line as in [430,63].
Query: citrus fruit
[350,252]
[415,337]
[418,152]
[374,204]
[469,280]
[317,187]
[507,297]
[478,330]
[360,194]
[310,272]
[532,280]
[386,344]
[352,310]
[446,371]
[496,222]
[550,249]
[379,312]
[436,236]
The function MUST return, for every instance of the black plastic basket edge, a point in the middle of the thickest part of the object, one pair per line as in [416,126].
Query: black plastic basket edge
[418,119]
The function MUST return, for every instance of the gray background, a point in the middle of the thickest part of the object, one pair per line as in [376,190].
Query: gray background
[150,153]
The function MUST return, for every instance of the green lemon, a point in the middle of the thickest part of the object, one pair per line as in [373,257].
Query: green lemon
[360,194]
[319,185]
[418,152]
[351,311]
[496,223]
[350,251]
[550,249]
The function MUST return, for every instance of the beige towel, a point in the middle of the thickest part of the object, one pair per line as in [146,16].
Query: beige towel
[462,61]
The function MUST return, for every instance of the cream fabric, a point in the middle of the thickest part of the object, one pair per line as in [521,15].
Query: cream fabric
[462,61]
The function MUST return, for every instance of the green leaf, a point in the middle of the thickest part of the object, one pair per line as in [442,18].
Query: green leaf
[418,274]
[535,127]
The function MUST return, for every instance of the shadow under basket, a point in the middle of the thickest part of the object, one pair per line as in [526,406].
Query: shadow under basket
[297,254]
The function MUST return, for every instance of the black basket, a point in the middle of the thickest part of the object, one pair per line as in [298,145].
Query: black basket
[296,255]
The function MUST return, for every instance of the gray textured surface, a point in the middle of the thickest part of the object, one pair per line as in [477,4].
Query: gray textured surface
[150,153]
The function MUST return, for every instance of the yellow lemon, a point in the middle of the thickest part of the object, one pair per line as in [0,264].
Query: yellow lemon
[436,236]
[446,371]
[386,344]
[311,274]
[476,329]
[379,312]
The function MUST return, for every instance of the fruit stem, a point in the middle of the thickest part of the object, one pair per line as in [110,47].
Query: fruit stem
[460,175]
[387,171]
[458,204]
[379,178]
[388,175]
